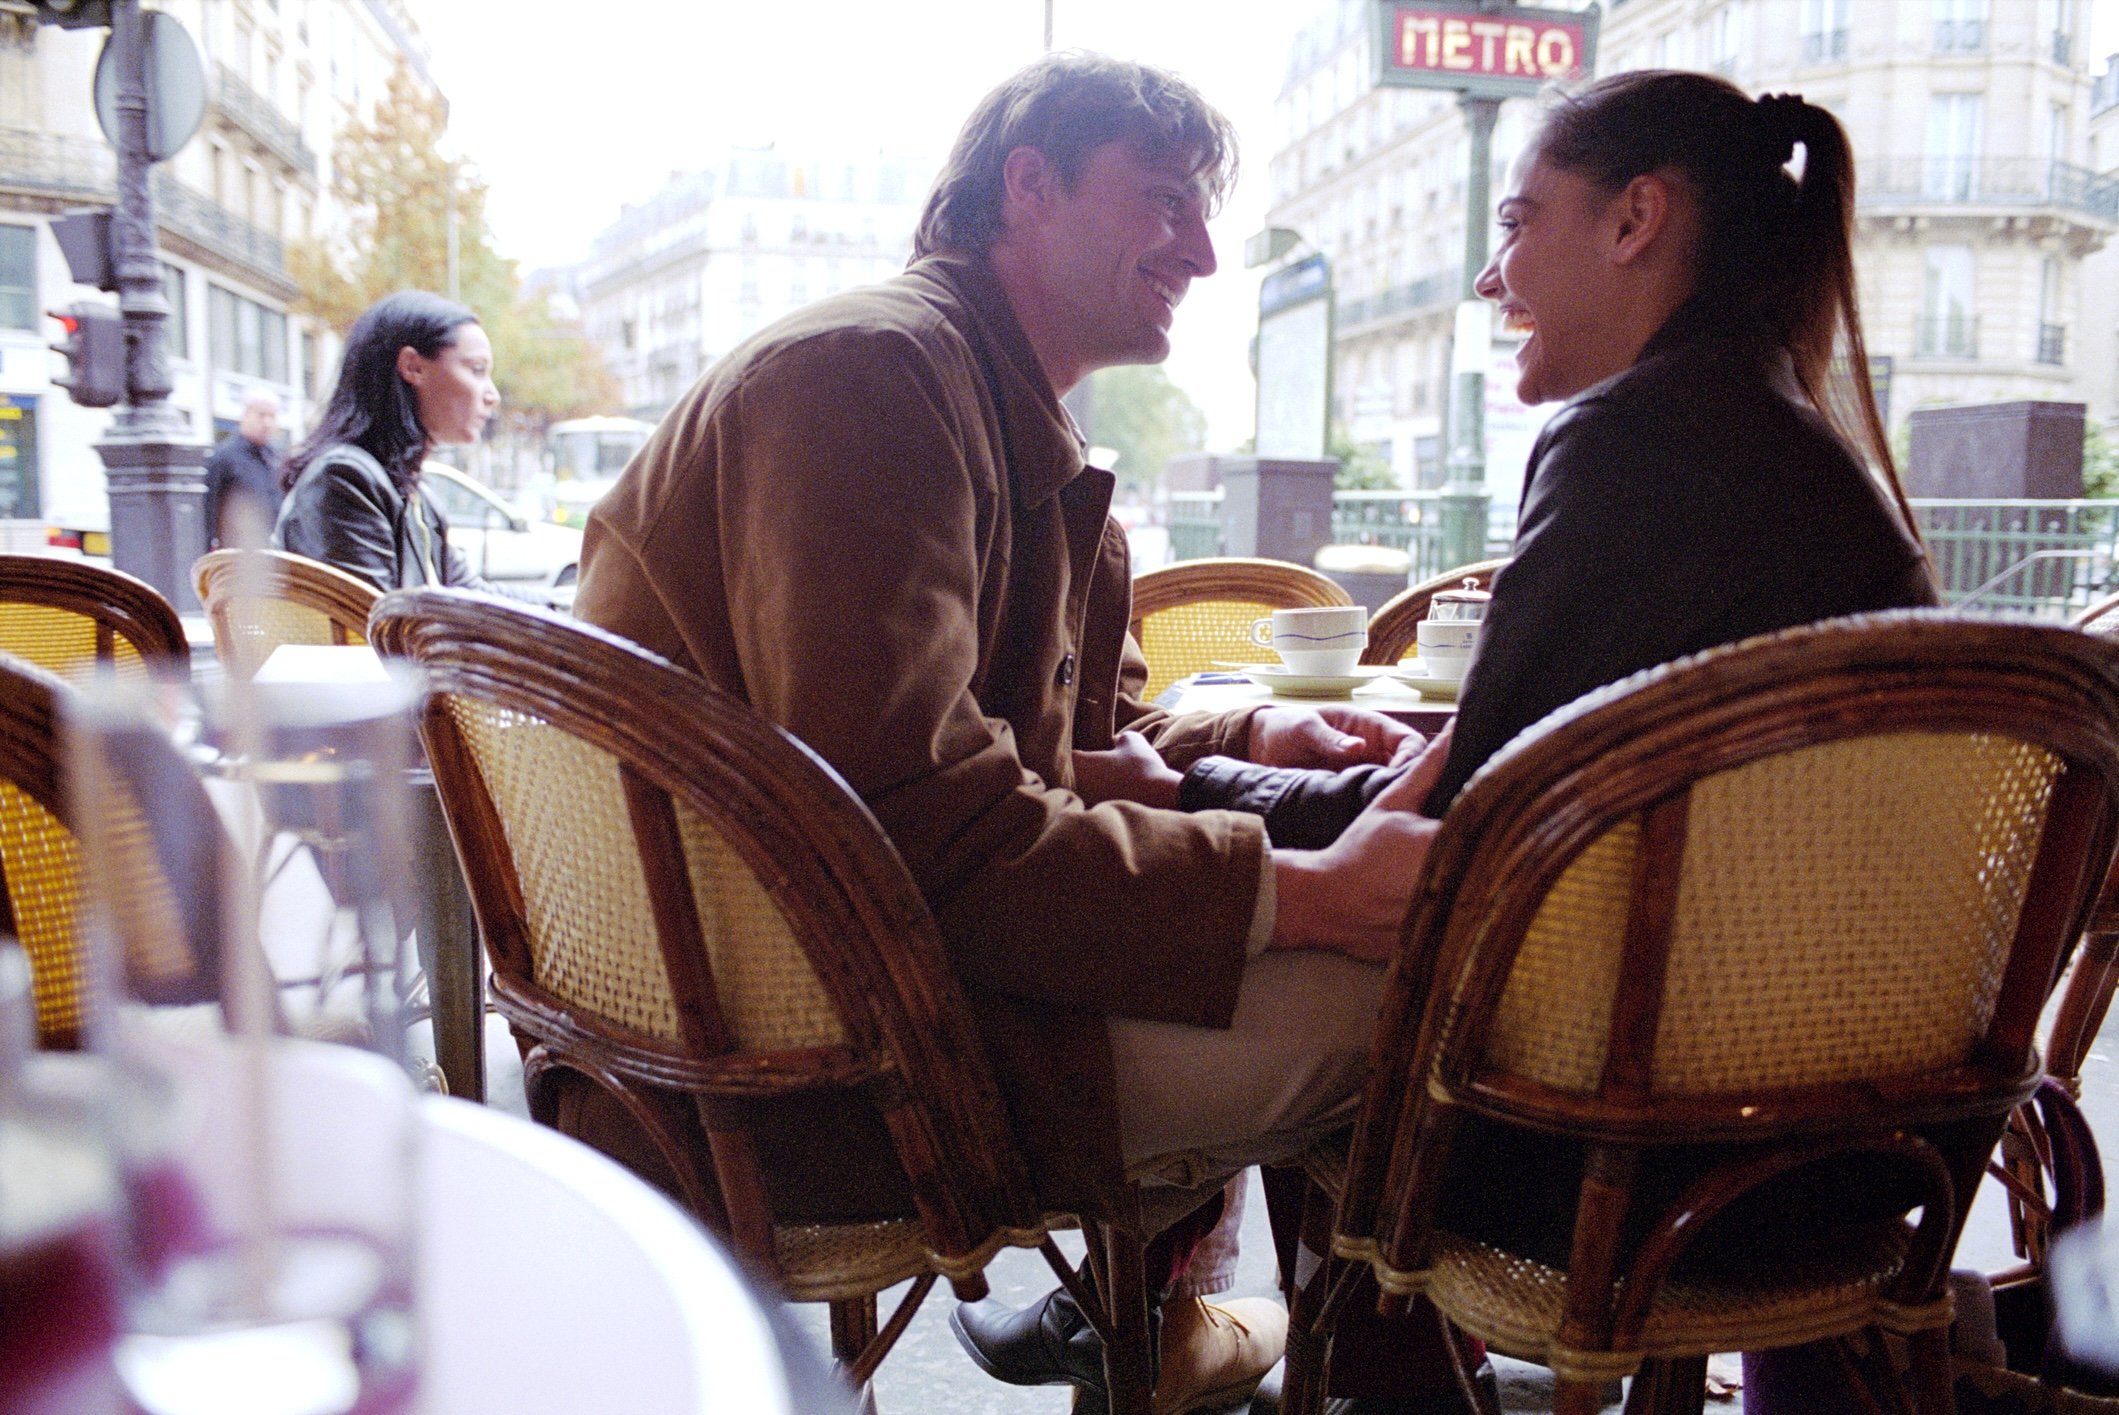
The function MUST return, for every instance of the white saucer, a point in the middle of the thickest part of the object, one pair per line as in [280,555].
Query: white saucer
[1414,675]
[1282,680]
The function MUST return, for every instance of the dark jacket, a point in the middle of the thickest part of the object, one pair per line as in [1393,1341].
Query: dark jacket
[347,511]
[1691,501]
[240,470]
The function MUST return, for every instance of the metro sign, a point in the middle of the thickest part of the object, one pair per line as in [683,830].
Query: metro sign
[1491,50]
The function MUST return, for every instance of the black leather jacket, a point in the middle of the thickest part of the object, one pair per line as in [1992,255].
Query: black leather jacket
[1691,501]
[347,512]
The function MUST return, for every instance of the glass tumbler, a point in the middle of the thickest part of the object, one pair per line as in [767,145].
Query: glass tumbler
[253,894]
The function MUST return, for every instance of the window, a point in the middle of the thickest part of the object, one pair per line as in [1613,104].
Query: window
[18,277]
[1952,168]
[1824,31]
[1732,35]
[245,337]
[1960,26]
[2052,335]
[1948,328]
[177,333]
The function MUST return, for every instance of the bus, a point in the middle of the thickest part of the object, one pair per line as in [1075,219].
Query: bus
[584,456]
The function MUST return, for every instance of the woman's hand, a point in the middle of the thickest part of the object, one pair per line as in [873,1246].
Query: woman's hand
[1130,771]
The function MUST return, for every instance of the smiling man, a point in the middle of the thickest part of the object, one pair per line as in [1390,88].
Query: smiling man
[874,523]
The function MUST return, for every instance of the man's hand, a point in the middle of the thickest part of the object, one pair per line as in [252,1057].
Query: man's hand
[1332,736]
[1352,896]
[1130,771]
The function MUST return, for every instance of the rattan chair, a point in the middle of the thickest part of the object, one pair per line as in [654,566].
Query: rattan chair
[165,936]
[76,619]
[688,909]
[1693,915]
[1191,615]
[1394,629]
[261,599]
[2084,1000]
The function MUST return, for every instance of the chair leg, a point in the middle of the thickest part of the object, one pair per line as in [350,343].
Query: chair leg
[1577,1397]
[1675,1387]
[853,1327]
[1933,1390]
[1477,1395]
[1129,1351]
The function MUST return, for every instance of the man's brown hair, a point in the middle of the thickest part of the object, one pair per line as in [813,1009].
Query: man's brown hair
[1067,106]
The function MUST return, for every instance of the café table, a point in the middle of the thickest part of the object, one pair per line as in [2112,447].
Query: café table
[550,1279]
[1395,698]
[447,924]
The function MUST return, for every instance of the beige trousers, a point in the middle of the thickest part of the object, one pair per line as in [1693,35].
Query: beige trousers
[1197,1105]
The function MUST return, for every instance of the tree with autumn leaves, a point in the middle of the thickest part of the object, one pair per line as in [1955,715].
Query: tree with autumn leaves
[390,174]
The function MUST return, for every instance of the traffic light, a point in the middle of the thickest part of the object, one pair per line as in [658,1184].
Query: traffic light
[95,353]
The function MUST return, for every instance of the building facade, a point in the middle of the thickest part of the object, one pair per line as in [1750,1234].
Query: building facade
[1981,200]
[283,77]
[720,252]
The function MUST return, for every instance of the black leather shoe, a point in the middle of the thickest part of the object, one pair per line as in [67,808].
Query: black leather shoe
[1046,1343]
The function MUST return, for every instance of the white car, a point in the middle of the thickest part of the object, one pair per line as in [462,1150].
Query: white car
[499,542]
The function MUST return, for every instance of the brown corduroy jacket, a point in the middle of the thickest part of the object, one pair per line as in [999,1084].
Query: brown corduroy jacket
[873,522]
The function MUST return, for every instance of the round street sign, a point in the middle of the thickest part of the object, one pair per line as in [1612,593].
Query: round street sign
[176,86]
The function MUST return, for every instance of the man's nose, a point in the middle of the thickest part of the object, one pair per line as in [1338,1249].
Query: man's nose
[1197,248]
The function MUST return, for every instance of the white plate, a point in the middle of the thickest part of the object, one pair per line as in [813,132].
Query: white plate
[1280,679]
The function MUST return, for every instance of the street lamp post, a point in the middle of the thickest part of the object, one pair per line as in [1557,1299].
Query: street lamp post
[155,478]
[1464,499]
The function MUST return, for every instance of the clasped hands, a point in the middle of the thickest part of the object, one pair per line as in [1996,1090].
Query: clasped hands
[1351,896]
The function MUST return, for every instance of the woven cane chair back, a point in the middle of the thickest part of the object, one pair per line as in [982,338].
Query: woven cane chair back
[681,901]
[76,619]
[1189,616]
[40,864]
[261,599]
[1801,895]
[1394,629]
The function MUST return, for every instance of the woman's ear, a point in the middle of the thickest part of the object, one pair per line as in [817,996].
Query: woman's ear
[1644,216]
[410,366]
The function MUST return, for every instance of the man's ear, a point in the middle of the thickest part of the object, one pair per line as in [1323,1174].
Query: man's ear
[1644,214]
[410,366]
[1029,181]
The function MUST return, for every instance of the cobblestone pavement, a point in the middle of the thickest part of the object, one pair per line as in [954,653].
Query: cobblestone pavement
[927,1374]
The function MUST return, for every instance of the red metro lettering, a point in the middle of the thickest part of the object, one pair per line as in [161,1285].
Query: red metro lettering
[1498,49]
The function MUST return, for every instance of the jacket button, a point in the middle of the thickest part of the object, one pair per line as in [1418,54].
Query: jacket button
[1066,671]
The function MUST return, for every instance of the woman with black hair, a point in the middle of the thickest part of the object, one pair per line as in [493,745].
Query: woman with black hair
[417,372]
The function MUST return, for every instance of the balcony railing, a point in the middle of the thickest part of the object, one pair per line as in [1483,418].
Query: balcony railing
[52,165]
[1960,36]
[1825,46]
[1428,292]
[1946,336]
[251,111]
[2052,343]
[1988,181]
[184,212]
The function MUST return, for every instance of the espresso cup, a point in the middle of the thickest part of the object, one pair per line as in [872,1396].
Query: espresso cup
[1315,642]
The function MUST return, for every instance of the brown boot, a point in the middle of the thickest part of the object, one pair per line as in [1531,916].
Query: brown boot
[1214,1355]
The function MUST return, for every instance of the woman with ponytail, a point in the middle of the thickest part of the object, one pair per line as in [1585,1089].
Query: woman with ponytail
[1715,472]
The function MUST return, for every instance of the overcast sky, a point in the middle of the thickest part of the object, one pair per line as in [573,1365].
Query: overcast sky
[574,110]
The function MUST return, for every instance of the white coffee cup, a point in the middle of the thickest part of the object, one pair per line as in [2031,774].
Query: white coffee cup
[1315,642]
[1446,665]
[1455,635]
